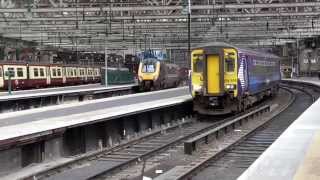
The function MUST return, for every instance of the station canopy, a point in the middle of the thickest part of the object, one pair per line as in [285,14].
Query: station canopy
[96,24]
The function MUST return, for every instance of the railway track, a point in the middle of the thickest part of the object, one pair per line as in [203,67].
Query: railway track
[143,156]
[230,164]
[161,156]
[111,161]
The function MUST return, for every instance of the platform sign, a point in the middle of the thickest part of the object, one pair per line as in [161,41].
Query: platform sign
[186,4]
[153,54]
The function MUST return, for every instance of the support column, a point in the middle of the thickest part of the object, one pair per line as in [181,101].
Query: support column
[53,148]
[10,160]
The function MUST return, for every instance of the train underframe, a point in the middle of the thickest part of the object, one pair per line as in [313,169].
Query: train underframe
[226,104]
[149,85]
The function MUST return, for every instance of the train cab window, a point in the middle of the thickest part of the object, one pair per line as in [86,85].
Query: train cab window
[19,72]
[59,72]
[149,66]
[35,72]
[42,72]
[229,64]
[198,63]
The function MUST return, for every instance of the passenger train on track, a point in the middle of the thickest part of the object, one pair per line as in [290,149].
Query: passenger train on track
[154,74]
[28,76]
[227,79]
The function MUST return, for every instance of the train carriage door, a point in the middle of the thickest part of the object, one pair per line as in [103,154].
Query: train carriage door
[1,77]
[213,74]
[48,75]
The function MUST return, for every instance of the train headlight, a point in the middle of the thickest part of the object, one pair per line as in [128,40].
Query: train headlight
[197,88]
[231,86]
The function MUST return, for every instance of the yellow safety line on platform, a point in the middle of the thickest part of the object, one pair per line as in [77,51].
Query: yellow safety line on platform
[309,169]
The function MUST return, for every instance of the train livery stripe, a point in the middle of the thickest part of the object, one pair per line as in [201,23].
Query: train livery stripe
[241,74]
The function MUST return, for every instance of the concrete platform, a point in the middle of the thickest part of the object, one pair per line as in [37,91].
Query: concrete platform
[36,93]
[295,154]
[17,126]
[31,140]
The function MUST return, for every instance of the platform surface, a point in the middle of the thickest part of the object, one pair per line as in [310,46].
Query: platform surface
[296,153]
[27,122]
[25,94]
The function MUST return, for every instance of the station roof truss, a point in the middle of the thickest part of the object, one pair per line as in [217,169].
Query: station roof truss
[97,24]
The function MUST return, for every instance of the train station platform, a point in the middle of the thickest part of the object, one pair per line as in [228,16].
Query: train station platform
[35,93]
[50,134]
[46,120]
[295,154]
[29,99]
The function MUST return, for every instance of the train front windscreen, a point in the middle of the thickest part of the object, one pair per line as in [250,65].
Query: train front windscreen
[149,67]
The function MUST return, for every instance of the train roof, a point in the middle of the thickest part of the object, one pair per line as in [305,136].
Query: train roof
[239,49]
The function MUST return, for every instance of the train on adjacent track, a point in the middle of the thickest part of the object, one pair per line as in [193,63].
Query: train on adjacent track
[227,79]
[154,74]
[30,76]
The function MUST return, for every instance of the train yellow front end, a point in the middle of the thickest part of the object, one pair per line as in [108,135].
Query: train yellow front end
[149,71]
[214,80]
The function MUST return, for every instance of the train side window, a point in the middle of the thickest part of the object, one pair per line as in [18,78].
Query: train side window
[0,72]
[229,64]
[19,72]
[75,72]
[12,70]
[59,72]
[68,72]
[54,72]
[41,72]
[35,72]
